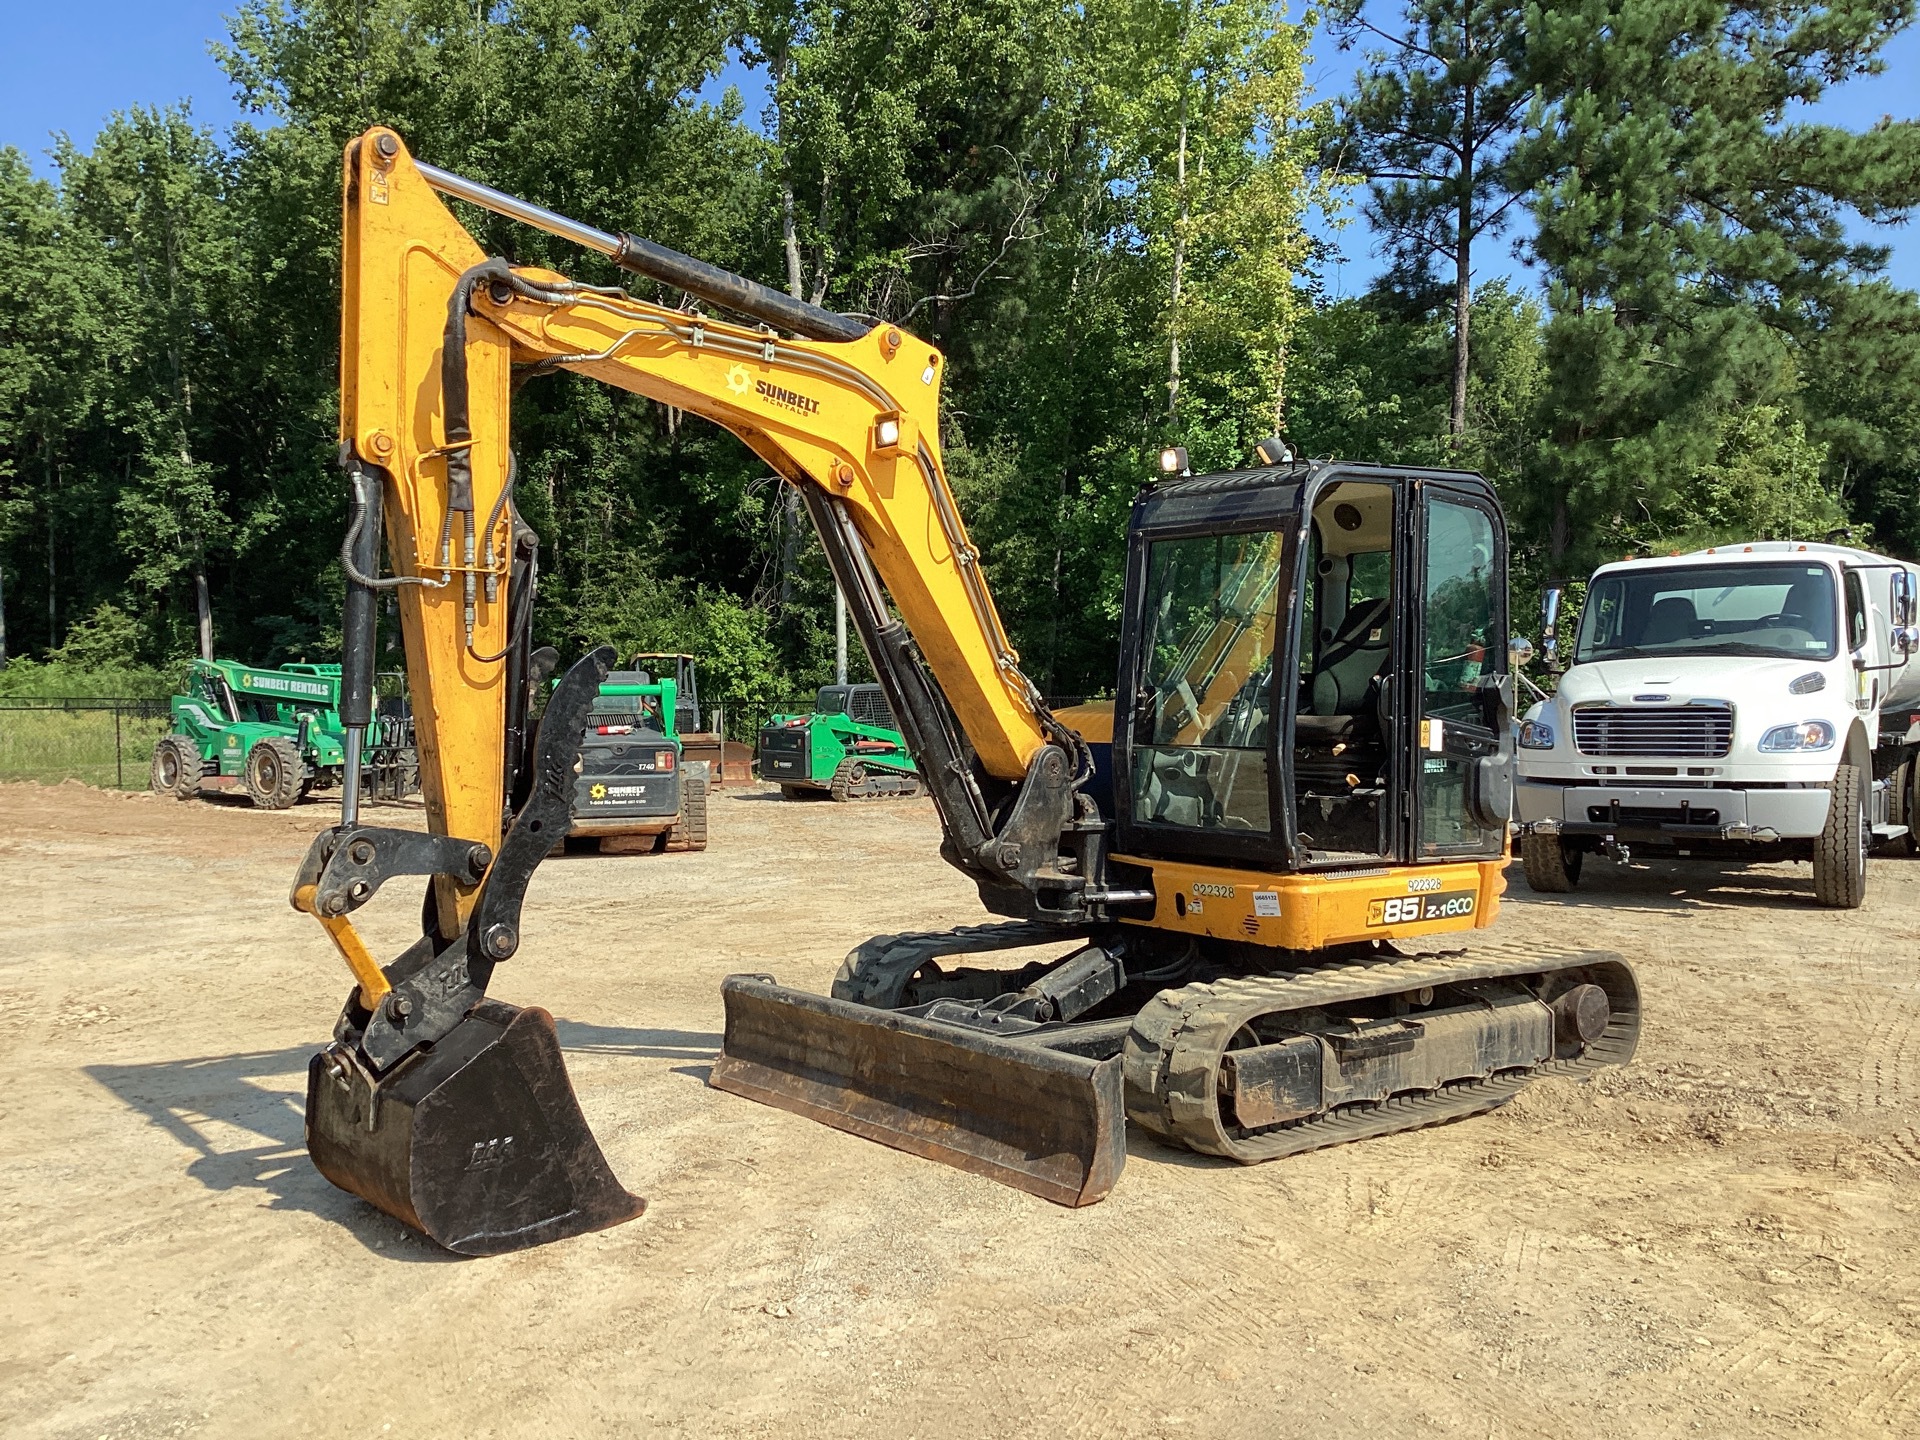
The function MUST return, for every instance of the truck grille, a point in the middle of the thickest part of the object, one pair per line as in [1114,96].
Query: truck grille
[1693,732]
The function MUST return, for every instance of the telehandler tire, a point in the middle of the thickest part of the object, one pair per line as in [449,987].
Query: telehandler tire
[275,774]
[690,830]
[1551,867]
[1840,852]
[176,768]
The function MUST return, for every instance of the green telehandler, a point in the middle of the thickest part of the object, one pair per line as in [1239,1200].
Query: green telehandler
[276,733]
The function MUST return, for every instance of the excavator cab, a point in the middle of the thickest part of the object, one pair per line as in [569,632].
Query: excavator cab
[1316,670]
[1310,778]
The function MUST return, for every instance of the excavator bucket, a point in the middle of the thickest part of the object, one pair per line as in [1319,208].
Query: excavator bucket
[476,1141]
[1044,1121]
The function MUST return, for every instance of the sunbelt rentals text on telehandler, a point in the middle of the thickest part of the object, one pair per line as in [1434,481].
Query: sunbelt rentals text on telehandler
[1305,778]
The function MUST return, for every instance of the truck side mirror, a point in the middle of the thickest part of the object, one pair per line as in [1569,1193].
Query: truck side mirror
[1519,652]
[1901,593]
[1550,623]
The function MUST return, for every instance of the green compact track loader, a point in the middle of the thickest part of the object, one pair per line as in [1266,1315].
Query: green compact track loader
[635,790]
[847,748]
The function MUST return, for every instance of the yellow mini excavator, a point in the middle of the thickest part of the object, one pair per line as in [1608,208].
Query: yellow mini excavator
[1245,867]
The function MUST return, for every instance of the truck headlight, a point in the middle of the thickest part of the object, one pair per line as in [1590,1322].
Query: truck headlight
[1536,735]
[1807,735]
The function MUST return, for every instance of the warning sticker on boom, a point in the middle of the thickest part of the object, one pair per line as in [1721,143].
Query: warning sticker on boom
[1409,909]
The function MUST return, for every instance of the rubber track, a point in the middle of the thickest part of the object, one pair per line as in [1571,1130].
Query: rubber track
[876,971]
[1172,1055]
[847,795]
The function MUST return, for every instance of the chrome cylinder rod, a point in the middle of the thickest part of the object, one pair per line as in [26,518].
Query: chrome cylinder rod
[659,262]
[514,208]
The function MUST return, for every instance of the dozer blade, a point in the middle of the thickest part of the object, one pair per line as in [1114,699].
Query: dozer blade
[1040,1120]
[477,1142]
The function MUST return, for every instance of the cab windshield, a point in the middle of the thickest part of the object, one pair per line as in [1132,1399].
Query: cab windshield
[626,710]
[1775,609]
[1200,756]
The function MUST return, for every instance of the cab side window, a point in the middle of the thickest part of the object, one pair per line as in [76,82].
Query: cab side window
[1856,612]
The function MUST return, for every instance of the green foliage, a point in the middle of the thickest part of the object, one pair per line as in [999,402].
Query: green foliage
[49,679]
[1688,222]
[1763,483]
[108,639]
[1432,123]
[1096,211]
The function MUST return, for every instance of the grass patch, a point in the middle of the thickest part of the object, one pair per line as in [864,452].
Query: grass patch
[51,745]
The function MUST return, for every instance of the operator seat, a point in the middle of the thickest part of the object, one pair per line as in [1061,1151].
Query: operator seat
[1810,602]
[1349,664]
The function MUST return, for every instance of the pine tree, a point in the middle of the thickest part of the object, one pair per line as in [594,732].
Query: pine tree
[1430,125]
[1687,220]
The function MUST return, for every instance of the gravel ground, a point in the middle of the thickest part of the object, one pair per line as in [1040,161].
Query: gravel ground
[1716,1240]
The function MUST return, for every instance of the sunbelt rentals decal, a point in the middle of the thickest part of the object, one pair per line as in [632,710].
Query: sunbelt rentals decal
[283,685]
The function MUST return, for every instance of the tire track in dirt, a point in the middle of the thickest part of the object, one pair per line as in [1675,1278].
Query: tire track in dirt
[1411,1377]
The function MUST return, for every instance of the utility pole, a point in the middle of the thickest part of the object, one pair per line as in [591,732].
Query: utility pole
[796,287]
[3,618]
[839,638]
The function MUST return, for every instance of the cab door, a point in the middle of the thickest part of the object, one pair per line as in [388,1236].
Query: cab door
[1461,762]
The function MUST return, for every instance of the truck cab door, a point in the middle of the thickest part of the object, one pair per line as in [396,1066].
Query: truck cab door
[1462,754]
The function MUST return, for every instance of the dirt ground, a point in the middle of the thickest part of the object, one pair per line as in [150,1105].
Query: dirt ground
[1718,1240]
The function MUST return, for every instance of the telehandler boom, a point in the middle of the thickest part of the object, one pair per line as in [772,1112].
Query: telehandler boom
[1240,866]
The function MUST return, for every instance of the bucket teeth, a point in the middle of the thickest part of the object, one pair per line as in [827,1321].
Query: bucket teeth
[478,1142]
[1040,1120]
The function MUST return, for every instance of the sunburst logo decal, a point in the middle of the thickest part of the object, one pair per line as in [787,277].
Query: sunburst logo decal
[738,381]
[598,792]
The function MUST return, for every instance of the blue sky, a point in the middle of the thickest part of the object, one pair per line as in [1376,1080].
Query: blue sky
[69,66]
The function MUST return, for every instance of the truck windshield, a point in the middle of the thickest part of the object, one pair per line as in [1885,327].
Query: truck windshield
[1782,609]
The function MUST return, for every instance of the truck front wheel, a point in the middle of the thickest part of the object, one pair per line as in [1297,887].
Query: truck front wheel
[1840,852]
[1906,791]
[1552,866]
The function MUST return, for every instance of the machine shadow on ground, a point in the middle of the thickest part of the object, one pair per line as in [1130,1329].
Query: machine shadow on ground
[243,1120]
[259,1094]
[1681,888]
[579,1037]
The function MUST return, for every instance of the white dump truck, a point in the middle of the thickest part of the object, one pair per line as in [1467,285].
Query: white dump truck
[1746,703]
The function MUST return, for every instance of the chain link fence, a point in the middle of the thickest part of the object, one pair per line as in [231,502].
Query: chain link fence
[101,741]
